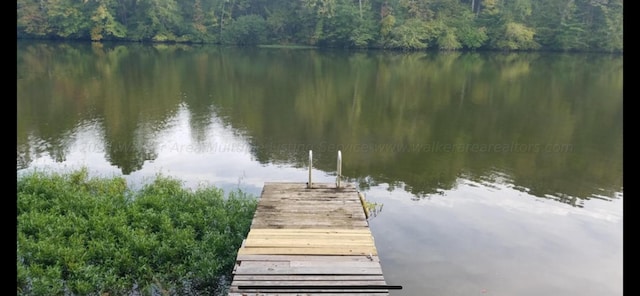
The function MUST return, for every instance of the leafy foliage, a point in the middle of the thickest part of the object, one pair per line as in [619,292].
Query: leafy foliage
[413,34]
[246,30]
[403,24]
[91,236]
[517,36]
[105,24]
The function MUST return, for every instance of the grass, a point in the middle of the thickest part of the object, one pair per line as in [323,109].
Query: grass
[94,236]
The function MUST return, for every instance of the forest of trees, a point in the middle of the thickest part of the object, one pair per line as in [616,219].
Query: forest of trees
[582,25]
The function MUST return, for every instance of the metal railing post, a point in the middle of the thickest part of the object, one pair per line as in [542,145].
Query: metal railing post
[339,169]
[310,166]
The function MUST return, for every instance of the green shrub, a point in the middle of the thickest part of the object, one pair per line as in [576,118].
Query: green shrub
[95,236]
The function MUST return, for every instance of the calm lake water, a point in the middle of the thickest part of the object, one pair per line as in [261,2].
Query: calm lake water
[498,173]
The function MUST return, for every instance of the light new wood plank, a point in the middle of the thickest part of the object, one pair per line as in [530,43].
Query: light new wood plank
[306,258]
[310,240]
[309,251]
[301,243]
[302,235]
[341,237]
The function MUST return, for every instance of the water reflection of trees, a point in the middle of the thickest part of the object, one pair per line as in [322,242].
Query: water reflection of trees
[388,112]
[60,86]
[551,122]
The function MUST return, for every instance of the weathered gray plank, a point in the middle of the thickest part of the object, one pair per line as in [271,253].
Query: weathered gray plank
[296,293]
[307,283]
[316,196]
[343,215]
[303,186]
[315,230]
[320,264]
[320,222]
[302,277]
[307,291]
[312,208]
[244,269]
[283,223]
[307,204]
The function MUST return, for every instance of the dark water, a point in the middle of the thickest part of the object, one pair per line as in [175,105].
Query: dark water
[499,174]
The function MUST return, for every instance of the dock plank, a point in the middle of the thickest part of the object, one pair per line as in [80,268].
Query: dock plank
[326,258]
[310,251]
[306,277]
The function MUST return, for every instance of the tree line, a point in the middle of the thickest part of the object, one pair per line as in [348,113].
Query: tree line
[569,25]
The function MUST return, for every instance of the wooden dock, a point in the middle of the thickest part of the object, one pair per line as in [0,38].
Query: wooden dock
[308,241]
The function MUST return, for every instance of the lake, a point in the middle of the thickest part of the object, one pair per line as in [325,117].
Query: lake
[495,173]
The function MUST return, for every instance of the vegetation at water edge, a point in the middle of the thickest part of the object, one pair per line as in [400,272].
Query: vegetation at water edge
[81,235]
[585,25]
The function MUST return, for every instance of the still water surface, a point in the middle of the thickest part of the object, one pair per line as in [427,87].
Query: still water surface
[498,174]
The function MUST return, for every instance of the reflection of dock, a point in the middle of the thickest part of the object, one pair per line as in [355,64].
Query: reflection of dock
[310,241]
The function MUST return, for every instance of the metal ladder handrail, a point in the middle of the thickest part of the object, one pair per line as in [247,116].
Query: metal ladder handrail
[310,184]
[338,170]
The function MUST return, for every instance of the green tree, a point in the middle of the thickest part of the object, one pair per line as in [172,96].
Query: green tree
[604,19]
[506,23]
[448,40]
[460,28]
[546,17]
[571,34]
[32,18]
[246,30]
[516,36]
[347,25]
[67,19]
[387,23]
[104,22]
[415,34]
[157,20]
